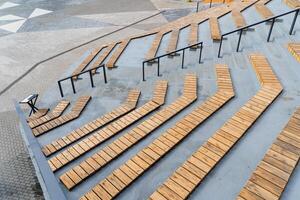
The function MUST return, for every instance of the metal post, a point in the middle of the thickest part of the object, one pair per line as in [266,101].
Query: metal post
[182,61]
[294,22]
[104,73]
[271,28]
[60,89]
[220,46]
[239,41]
[73,87]
[158,66]
[143,71]
[200,53]
[210,3]
[91,78]
[197,6]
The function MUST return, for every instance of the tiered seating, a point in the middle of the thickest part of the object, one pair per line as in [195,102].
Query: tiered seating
[271,176]
[103,56]
[88,128]
[94,163]
[294,48]
[292,3]
[173,41]
[155,45]
[193,36]
[238,18]
[263,10]
[114,183]
[38,114]
[110,130]
[190,174]
[214,28]
[54,123]
[55,113]
[115,56]
[86,62]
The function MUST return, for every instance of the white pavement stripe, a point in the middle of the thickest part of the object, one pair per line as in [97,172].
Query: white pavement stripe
[8,5]
[38,12]
[10,17]
[13,27]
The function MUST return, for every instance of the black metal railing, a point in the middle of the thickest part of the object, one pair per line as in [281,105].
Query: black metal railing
[271,19]
[157,58]
[90,71]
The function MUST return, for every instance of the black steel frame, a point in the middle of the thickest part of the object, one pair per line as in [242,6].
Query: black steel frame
[77,75]
[271,19]
[157,58]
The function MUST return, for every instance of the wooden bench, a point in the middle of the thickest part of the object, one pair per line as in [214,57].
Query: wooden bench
[103,56]
[110,130]
[173,41]
[292,3]
[214,28]
[238,19]
[193,35]
[88,128]
[86,62]
[116,54]
[100,159]
[294,48]
[155,45]
[38,114]
[74,114]
[263,10]
[123,176]
[190,174]
[271,176]
[55,113]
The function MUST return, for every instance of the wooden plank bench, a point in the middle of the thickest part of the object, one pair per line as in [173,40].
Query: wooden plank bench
[271,176]
[294,48]
[129,139]
[88,128]
[173,41]
[38,114]
[110,130]
[155,45]
[238,19]
[263,10]
[151,154]
[214,28]
[56,112]
[74,114]
[116,54]
[103,56]
[292,3]
[86,62]
[193,35]
[190,174]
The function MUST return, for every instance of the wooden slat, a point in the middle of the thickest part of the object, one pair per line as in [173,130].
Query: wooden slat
[175,134]
[294,48]
[214,28]
[155,45]
[193,35]
[116,54]
[272,174]
[211,152]
[103,56]
[112,129]
[238,19]
[263,10]
[141,131]
[292,3]
[173,41]
[88,128]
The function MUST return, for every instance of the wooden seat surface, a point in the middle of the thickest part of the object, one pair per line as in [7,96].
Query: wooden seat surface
[110,130]
[173,41]
[294,48]
[95,162]
[76,110]
[292,3]
[214,28]
[38,114]
[56,112]
[128,172]
[193,35]
[272,174]
[155,45]
[263,10]
[238,19]
[116,54]
[103,56]
[190,174]
[88,128]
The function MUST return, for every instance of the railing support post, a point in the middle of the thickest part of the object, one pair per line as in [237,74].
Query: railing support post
[60,89]
[239,41]
[220,46]
[143,69]
[200,53]
[197,6]
[104,74]
[210,3]
[91,78]
[158,67]
[182,60]
[294,22]
[73,87]
[271,28]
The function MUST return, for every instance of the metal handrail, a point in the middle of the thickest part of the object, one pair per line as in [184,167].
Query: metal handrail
[171,53]
[77,75]
[272,19]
